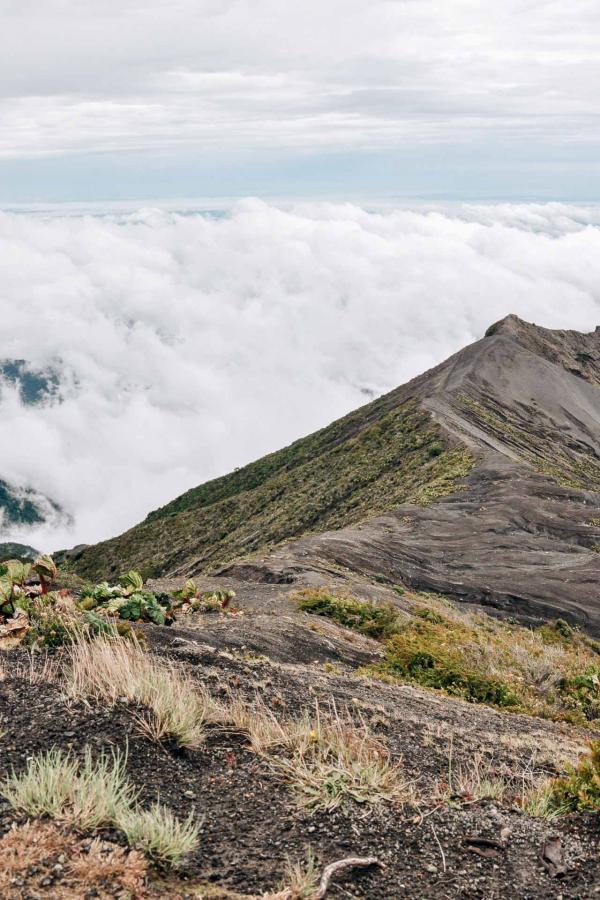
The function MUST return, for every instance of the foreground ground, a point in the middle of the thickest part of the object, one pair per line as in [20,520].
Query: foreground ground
[458,831]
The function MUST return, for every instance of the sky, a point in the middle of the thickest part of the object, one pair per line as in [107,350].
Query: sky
[336,99]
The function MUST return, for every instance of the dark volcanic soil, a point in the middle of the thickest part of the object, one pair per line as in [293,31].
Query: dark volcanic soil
[251,820]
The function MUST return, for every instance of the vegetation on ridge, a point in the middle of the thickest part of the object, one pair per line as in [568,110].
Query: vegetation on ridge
[378,457]
[551,671]
[534,437]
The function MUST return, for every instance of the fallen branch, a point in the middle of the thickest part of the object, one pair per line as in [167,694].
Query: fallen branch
[351,862]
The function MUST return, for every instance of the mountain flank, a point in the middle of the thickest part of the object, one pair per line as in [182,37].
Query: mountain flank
[479,479]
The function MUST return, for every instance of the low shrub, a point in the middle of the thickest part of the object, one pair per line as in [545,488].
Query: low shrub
[431,651]
[580,788]
[377,621]
[551,671]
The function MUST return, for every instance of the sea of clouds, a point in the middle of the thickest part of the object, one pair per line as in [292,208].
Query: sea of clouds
[189,343]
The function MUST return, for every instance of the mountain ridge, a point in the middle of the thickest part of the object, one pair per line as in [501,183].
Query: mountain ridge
[486,466]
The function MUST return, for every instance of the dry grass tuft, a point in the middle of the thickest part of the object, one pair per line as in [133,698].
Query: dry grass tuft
[158,834]
[327,758]
[478,779]
[177,709]
[529,787]
[301,879]
[28,845]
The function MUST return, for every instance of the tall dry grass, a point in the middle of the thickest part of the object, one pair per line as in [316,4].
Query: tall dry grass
[175,707]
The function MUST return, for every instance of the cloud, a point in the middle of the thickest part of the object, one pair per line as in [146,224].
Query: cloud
[190,344]
[109,77]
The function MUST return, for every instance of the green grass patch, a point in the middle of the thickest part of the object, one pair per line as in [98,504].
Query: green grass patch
[378,621]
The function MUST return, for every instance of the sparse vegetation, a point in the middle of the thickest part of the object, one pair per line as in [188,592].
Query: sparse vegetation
[362,615]
[567,464]
[177,709]
[95,793]
[552,671]
[382,455]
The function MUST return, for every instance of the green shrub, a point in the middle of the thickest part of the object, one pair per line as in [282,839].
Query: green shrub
[556,632]
[583,691]
[361,615]
[424,612]
[430,651]
[580,788]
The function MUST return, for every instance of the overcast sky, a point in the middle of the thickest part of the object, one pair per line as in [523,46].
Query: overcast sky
[357,98]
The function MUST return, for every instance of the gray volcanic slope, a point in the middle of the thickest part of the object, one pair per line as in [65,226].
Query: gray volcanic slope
[522,532]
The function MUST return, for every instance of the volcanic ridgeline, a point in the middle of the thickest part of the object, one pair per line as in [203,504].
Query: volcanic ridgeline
[479,479]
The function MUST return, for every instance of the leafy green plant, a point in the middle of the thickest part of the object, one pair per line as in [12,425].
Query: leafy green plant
[188,592]
[212,601]
[127,601]
[45,568]
[131,582]
[361,615]
[18,589]
[203,601]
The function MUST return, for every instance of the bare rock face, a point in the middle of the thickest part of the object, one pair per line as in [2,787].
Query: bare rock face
[522,532]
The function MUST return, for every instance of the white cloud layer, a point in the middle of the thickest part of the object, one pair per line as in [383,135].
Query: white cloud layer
[191,344]
[345,74]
